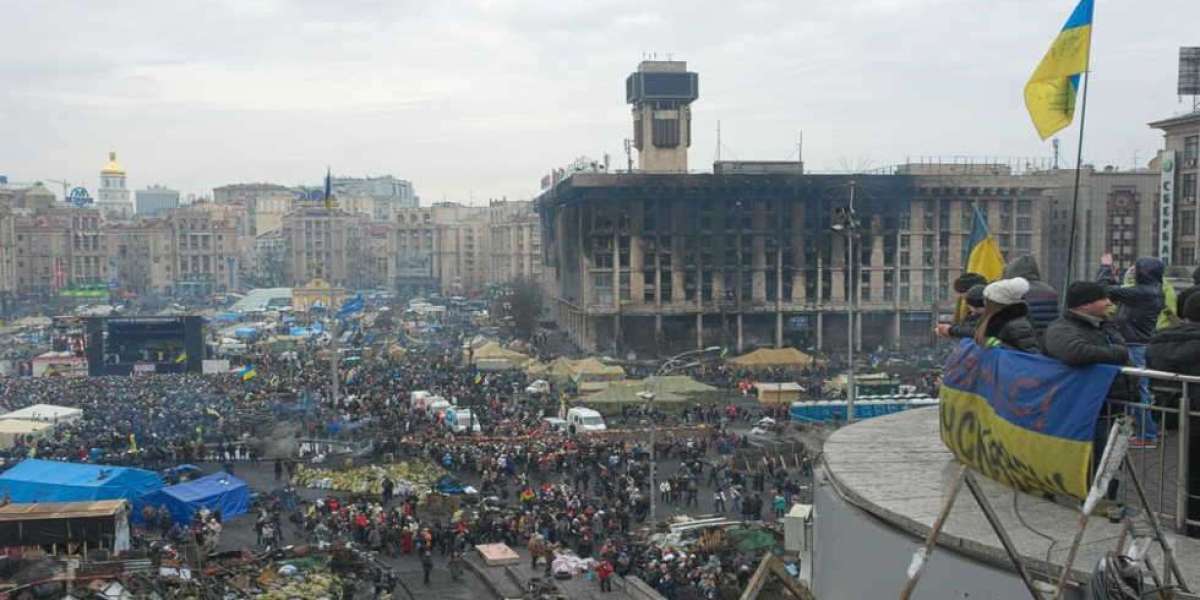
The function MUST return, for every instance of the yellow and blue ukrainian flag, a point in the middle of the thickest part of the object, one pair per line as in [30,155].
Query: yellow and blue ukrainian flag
[1025,420]
[1051,91]
[247,372]
[983,253]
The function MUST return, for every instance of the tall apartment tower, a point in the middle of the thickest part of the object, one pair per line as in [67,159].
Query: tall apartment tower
[661,92]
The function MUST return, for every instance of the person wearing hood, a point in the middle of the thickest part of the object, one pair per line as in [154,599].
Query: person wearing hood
[1005,321]
[1041,298]
[1138,309]
[1177,349]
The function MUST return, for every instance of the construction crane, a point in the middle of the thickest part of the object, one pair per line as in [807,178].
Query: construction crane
[67,185]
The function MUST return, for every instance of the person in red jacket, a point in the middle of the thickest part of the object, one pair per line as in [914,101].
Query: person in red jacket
[604,572]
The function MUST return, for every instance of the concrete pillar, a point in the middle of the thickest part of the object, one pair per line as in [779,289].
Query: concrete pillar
[699,331]
[820,331]
[740,344]
[896,329]
[858,319]
[617,333]
[658,333]
[778,329]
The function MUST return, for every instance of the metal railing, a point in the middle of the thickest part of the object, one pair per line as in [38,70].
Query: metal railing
[1167,461]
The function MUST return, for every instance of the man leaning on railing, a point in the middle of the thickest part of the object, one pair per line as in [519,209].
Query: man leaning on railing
[1177,349]
[1082,336]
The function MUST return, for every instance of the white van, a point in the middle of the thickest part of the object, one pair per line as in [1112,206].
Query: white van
[459,419]
[584,420]
[436,406]
[419,398]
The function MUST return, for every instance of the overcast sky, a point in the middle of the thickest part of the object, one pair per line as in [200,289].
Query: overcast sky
[472,100]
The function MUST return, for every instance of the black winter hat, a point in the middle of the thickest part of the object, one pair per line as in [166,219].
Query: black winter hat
[1084,292]
[975,295]
[1191,309]
[968,280]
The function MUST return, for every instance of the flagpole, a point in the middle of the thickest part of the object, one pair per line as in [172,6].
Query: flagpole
[1078,168]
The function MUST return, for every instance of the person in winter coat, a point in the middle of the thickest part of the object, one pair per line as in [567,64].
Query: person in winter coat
[1138,309]
[1177,349]
[1084,335]
[1041,298]
[1182,297]
[1005,322]
[966,328]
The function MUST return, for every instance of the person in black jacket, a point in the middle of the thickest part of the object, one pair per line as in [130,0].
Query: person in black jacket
[1137,317]
[1005,322]
[1084,335]
[1177,349]
[1041,298]
[966,328]
[1182,297]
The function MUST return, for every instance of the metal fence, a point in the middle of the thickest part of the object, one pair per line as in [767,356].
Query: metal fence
[1163,465]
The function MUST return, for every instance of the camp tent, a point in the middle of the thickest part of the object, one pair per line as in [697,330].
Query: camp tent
[34,480]
[670,392]
[494,357]
[591,369]
[13,429]
[217,492]
[765,358]
[48,413]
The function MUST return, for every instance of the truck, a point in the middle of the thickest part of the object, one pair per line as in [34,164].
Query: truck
[584,420]
[458,420]
[419,398]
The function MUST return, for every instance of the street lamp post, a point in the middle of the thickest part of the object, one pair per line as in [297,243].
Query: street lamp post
[670,365]
[849,228]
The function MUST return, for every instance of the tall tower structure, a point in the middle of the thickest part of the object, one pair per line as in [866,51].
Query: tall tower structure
[113,196]
[661,92]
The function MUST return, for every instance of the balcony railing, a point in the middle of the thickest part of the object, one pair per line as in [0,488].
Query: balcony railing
[1164,468]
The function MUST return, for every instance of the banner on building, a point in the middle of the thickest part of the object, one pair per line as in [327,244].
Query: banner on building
[1166,202]
[1024,420]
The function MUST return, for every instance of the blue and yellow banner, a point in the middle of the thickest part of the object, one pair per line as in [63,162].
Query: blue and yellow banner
[1022,419]
[1051,91]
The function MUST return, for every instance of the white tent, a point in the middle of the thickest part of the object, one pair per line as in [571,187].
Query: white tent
[13,429]
[48,413]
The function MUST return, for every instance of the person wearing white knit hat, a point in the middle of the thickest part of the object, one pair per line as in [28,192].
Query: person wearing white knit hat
[1005,321]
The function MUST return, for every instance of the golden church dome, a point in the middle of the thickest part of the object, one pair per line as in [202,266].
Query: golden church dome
[113,167]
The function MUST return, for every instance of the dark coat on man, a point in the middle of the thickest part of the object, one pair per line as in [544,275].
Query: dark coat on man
[1042,298]
[1176,349]
[1078,339]
[1182,296]
[1140,304]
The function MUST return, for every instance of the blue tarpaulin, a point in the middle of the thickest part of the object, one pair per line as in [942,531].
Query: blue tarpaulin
[217,492]
[245,332]
[310,331]
[35,480]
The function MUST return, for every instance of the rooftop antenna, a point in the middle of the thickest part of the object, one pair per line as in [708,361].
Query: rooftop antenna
[1055,145]
[800,148]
